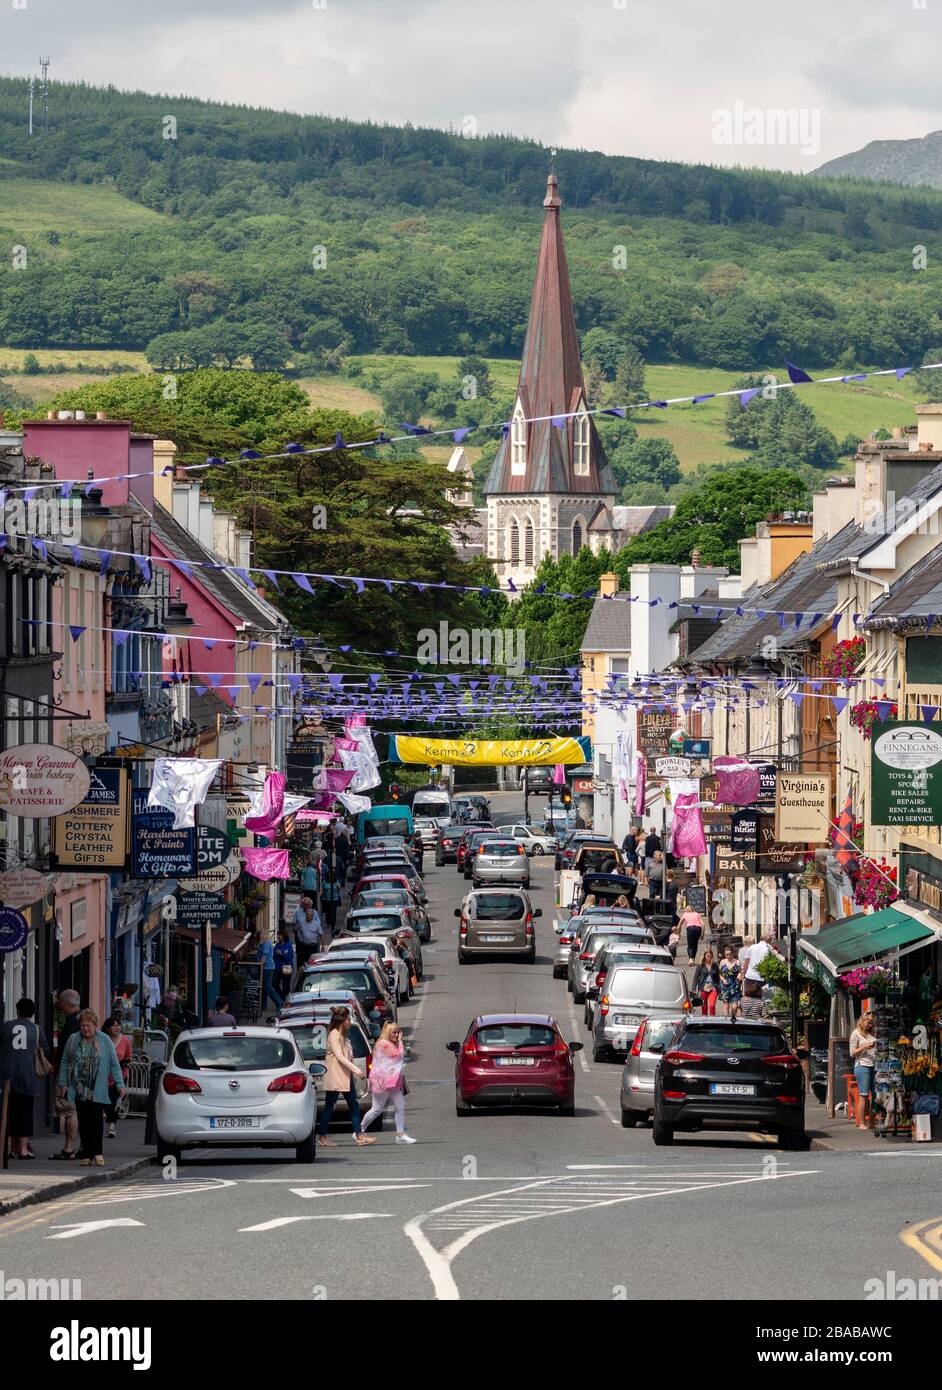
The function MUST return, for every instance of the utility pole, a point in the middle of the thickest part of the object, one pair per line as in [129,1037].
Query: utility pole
[32,84]
[44,93]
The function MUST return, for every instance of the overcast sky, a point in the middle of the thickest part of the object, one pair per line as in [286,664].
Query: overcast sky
[656,78]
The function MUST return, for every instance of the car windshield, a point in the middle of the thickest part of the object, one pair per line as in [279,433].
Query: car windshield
[764,1040]
[515,1035]
[594,860]
[599,938]
[234,1054]
[657,1033]
[358,980]
[499,851]
[497,907]
[380,897]
[379,922]
[452,832]
[391,825]
[611,958]
[311,1041]
[361,948]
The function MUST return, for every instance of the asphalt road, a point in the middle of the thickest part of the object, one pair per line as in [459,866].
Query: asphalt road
[498,1205]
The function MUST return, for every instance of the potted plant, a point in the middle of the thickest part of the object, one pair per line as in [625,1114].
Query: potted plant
[232,985]
[845,659]
[865,714]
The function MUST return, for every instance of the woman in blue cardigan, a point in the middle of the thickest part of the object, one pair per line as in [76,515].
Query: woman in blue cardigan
[89,1066]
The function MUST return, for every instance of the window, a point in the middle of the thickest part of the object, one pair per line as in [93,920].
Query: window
[515,1035]
[528,543]
[581,438]
[518,441]
[576,537]
[234,1054]
[513,542]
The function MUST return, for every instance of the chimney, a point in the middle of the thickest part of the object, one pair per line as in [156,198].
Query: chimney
[164,453]
[101,415]
[780,542]
[50,414]
[695,559]
[608,585]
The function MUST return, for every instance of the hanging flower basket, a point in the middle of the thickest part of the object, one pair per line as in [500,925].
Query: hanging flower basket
[865,714]
[845,660]
[871,888]
[867,981]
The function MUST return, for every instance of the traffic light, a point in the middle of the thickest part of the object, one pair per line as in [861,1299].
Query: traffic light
[394,790]
[565,796]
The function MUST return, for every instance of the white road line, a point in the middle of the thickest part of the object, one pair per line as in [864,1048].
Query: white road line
[321,1216]
[84,1228]
[349,1191]
[608,1110]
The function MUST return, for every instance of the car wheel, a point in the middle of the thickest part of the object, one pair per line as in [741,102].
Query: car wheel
[662,1134]
[530,957]
[569,1109]
[461,1110]
[601,1054]
[578,995]
[165,1150]
[558,972]
[463,957]
[568,984]
[629,1119]
[537,850]
[305,1152]
[793,1139]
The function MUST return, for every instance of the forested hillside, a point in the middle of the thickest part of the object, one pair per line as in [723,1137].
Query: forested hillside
[267,237]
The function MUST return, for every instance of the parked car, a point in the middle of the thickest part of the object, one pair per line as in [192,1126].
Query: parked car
[500,861]
[471,806]
[401,900]
[245,1086]
[427,828]
[614,953]
[398,972]
[496,921]
[381,919]
[464,845]
[393,871]
[637,1078]
[629,995]
[533,841]
[566,932]
[309,1031]
[727,1074]
[514,1059]
[365,977]
[567,850]
[446,845]
[590,939]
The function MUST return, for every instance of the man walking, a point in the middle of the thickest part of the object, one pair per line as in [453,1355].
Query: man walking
[750,958]
[308,930]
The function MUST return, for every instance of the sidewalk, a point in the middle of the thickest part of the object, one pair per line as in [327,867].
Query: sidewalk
[26,1182]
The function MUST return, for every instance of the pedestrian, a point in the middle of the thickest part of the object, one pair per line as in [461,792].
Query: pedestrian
[308,931]
[309,877]
[629,849]
[23,1061]
[122,1048]
[70,1005]
[863,1050]
[265,955]
[219,1016]
[342,850]
[706,982]
[340,1078]
[670,894]
[387,1081]
[89,1066]
[622,901]
[730,972]
[330,898]
[418,850]
[654,876]
[692,924]
[750,958]
[652,842]
[283,955]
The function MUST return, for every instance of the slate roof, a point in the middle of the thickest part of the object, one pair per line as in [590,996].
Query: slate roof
[609,628]
[551,383]
[915,597]
[927,487]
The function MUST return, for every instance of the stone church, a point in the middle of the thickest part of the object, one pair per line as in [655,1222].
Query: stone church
[550,483]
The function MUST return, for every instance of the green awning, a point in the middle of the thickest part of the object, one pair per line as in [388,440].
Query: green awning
[825,954]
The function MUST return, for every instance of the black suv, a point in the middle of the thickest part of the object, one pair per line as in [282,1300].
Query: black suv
[446,849]
[719,1073]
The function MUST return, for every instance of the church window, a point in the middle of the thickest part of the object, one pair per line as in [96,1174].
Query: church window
[581,444]
[518,441]
[576,537]
[528,543]
[514,542]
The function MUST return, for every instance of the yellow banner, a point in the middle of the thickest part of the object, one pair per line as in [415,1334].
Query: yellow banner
[488,752]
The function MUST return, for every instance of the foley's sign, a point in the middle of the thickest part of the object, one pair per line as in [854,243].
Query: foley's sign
[906,773]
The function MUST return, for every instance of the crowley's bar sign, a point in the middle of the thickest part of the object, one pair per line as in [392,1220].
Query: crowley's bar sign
[50,518]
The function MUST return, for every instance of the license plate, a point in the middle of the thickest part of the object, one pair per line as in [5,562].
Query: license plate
[498,940]
[625,1021]
[515,1061]
[234,1122]
[727,1088]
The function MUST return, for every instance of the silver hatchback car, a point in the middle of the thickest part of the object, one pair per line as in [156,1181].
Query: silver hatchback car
[637,1077]
[590,939]
[500,861]
[629,995]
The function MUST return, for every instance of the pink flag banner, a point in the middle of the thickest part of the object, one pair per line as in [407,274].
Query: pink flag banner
[640,784]
[559,775]
[738,781]
[266,863]
[273,806]
[688,838]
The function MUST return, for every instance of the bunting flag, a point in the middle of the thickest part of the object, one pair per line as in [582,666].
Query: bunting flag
[266,864]
[180,785]
[272,809]
[845,851]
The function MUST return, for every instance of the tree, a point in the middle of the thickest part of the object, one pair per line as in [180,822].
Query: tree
[405,394]
[629,378]
[645,461]
[780,430]
[554,627]
[31,365]
[602,349]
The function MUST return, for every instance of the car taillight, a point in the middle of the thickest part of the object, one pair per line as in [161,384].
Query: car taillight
[603,1005]
[561,1048]
[600,979]
[463,928]
[379,1005]
[680,1056]
[448,843]
[782,1059]
[585,955]
[674,1095]
[369,1063]
[788,1100]
[520,849]
[470,1048]
[565,941]
[175,1085]
[639,1039]
[529,924]
[296,1081]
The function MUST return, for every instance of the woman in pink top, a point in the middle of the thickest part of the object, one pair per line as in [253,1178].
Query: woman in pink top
[122,1046]
[387,1080]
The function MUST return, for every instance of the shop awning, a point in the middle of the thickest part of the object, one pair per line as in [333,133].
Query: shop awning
[825,954]
[224,938]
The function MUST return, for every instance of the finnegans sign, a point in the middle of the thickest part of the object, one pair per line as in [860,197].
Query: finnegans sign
[802,808]
[38,780]
[906,773]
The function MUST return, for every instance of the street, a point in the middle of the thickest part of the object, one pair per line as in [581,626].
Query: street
[497,1205]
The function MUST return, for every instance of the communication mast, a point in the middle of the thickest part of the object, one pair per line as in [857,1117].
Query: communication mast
[44,93]
[32,84]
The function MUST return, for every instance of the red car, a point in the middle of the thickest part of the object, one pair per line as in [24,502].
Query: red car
[514,1059]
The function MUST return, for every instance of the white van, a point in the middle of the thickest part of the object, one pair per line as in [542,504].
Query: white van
[630,994]
[433,802]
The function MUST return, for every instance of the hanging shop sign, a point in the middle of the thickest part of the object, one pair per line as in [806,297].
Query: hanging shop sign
[14,929]
[196,909]
[157,850]
[768,779]
[774,856]
[23,887]
[906,773]
[582,786]
[214,880]
[94,834]
[697,747]
[41,780]
[212,847]
[727,863]
[802,808]
[717,827]
[654,734]
[672,767]
[744,831]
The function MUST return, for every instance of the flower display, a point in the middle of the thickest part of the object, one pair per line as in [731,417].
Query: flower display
[865,714]
[867,980]
[845,659]
[872,888]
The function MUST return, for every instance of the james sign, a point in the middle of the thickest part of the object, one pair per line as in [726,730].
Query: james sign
[906,773]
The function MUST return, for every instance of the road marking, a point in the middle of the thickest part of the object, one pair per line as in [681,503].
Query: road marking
[477,1216]
[277,1221]
[84,1228]
[608,1110]
[349,1191]
[926,1240]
